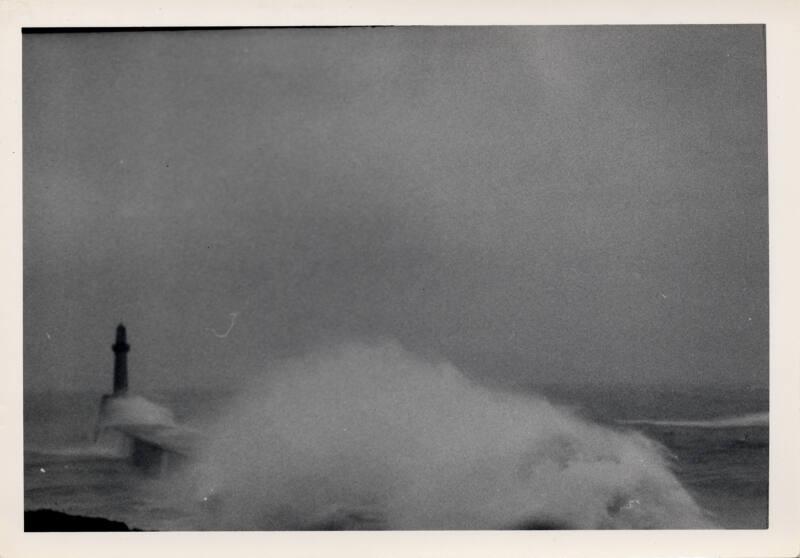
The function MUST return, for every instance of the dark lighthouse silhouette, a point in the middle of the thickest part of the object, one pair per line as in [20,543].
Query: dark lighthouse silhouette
[120,348]
[137,428]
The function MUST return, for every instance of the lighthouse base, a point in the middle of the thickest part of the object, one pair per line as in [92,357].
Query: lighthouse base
[133,427]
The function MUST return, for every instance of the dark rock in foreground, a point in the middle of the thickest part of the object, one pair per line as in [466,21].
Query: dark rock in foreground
[52,521]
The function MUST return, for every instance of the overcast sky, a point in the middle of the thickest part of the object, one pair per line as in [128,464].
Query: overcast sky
[531,204]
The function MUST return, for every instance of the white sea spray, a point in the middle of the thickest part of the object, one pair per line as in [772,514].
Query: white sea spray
[371,436]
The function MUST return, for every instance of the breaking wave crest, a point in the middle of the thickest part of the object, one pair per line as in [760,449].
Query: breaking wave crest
[133,410]
[75,451]
[126,411]
[373,437]
[743,421]
[108,441]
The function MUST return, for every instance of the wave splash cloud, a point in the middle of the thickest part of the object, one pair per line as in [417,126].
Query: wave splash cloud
[371,436]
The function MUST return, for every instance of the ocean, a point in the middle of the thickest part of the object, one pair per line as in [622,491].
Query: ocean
[716,442]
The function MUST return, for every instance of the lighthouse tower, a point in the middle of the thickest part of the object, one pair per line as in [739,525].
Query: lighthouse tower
[132,426]
[120,348]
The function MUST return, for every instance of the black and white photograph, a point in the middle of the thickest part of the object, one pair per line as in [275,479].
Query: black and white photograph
[396,278]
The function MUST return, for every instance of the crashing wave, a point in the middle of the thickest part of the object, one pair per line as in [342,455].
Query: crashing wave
[373,437]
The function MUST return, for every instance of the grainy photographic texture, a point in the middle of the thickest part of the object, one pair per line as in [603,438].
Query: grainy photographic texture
[396,278]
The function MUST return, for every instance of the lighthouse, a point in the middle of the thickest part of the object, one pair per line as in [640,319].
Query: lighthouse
[132,426]
[120,348]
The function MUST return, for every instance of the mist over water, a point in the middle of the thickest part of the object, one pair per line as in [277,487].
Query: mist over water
[372,436]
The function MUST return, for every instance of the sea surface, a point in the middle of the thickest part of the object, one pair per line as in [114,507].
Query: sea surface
[717,442]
